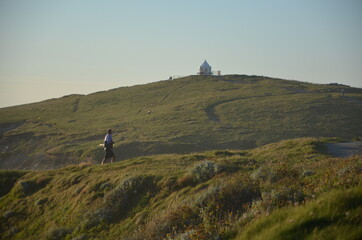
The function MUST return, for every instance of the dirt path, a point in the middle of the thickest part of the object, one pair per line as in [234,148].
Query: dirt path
[353,99]
[344,150]
[168,94]
[211,109]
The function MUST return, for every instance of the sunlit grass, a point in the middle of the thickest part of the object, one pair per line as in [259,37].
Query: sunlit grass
[189,114]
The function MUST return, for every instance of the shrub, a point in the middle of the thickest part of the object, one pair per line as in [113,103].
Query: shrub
[272,175]
[120,201]
[220,204]
[263,174]
[232,196]
[120,197]
[171,223]
[94,218]
[205,171]
[285,195]
[275,198]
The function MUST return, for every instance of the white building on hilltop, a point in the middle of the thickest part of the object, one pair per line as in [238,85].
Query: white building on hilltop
[205,69]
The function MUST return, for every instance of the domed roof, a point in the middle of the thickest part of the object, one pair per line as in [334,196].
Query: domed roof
[205,65]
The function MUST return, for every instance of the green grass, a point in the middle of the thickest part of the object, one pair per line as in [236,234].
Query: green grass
[336,215]
[189,114]
[200,195]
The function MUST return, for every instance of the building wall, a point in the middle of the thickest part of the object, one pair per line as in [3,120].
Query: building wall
[205,71]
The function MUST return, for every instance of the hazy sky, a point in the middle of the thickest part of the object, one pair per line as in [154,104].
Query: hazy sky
[51,48]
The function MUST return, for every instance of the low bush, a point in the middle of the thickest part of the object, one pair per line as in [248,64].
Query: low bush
[205,170]
[120,201]
[96,217]
[275,174]
[224,202]
[122,197]
[263,174]
[172,223]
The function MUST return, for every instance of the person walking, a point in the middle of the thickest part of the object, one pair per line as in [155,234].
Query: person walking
[108,147]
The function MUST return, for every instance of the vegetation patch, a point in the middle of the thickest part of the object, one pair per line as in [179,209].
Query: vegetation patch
[336,215]
[58,233]
[124,200]
[8,179]
[278,190]
[233,112]
[205,170]
[31,186]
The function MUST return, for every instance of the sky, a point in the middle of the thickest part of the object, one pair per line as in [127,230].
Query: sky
[52,48]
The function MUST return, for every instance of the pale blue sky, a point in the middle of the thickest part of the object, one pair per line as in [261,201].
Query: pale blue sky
[51,48]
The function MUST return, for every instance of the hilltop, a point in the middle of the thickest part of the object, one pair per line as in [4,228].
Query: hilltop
[195,113]
[286,190]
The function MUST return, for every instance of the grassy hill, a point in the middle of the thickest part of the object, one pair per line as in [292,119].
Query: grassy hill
[195,113]
[285,190]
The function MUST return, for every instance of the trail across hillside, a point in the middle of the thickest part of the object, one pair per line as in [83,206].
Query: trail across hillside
[353,99]
[344,150]
[211,109]
[185,115]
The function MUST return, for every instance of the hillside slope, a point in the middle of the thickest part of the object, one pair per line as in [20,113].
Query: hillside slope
[189,114]
[209,195]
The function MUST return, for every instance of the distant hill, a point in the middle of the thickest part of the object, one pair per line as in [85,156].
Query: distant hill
[185,115]
[291,189]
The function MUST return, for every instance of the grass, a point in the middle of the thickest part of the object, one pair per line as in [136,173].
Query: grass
[220,193]
[8,179]
[335,215]
[190,114]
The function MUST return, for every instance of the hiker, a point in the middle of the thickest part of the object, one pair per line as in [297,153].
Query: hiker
[108,147]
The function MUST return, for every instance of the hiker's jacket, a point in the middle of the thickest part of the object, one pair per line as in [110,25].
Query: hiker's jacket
[108,141]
